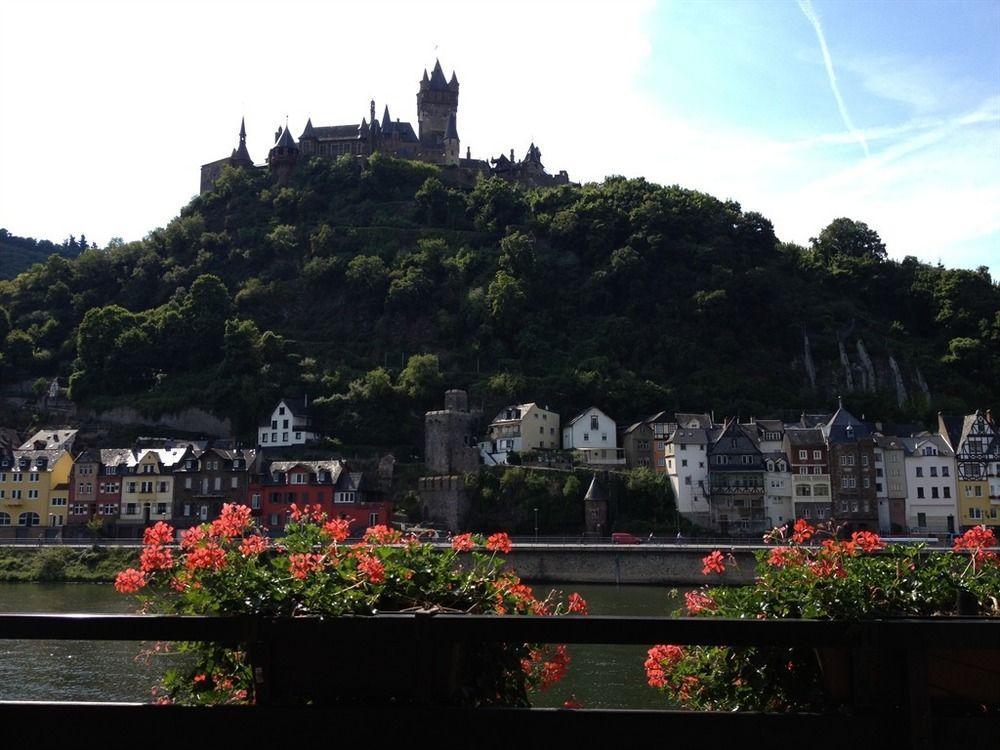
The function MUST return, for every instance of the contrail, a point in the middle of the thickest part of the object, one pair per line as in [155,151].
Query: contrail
[807,10]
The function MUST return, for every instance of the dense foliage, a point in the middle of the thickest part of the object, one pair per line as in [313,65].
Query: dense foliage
[625,294]
[17,254]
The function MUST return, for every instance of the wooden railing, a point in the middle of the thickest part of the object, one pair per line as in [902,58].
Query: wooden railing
[420,637]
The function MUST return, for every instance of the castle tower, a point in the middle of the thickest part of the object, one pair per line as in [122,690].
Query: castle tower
[241,157]
[283,155]
[437,116]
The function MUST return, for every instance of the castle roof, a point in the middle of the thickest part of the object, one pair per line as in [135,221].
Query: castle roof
[595,492]
[337,132]
[309,132]
[284,139]
[453,83]
[438,81]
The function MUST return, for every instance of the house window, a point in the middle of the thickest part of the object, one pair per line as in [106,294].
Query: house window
[920,492]
[684,462]
[218,483]
[687,480]
[274,437]
[593,422]
[16,477]
[803,470]
[187,482]
[586,437]
[298,478]
[298,436]
[108,509]
[33,476]
[867,483]
[162,487]
[284,437]
[58,501]
[263,437]
[864,460]
[284,424]
[161,509]
[187,509]
[920,471]
[131,509]
[975,513]
[947,492]
[944,471]
[32,494]
[934,471]
[372,519]
[281,410]
[233,483]
[255,501]
[934,493]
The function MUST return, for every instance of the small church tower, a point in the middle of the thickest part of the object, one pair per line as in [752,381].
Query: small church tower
[283,154]
[437,117]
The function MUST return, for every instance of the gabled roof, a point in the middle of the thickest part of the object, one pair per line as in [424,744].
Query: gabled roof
[686,436]
[889,442]
[844,427]
[771,425]
[704,421]
[521,408]
[59,438]
[49,456]
[115,456]
[915,445]
[285,139]
[583,413]
[309,132]
[167,457]
[334,467]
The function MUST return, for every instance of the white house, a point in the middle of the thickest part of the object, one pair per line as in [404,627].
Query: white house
[686,465]
[778,505]
[594,435]
[290,424]
[931,489]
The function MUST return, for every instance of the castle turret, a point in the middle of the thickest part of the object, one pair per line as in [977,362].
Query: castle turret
[241,157]
[283,155]
[437,116]
[308,142]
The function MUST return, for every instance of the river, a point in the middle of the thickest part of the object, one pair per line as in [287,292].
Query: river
[598,676]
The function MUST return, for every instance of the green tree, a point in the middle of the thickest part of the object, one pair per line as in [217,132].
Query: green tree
[848,239]
[421,379]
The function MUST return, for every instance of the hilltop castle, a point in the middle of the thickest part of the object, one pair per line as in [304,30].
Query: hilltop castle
[436,142]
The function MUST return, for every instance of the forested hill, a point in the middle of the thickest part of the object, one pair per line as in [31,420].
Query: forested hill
[623,294]
[17,254]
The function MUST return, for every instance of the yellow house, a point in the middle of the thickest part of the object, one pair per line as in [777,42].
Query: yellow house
[34,487]
[521,428]
[976,444]
[148,486]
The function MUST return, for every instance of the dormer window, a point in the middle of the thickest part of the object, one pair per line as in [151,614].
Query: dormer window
[281,410]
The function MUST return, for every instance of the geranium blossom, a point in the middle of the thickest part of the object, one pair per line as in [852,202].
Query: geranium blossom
[307,513]
[371,568]
[338,529]
[382,534]
[253,545]
[191,537]
[867,541]
[209,557]
[158,534]
[713,563]
[462,543]
[129,581]
[661,660]
[499,542]
[975,540]
[155,558]
[232,522]
[803,531]
[576,604]
[698,601]
[779,557]
[302,564]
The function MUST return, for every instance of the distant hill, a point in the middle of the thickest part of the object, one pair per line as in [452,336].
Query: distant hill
[370,287]
[17,254]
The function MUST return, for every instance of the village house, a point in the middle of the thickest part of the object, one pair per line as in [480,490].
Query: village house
[890,483]
[61,439]
[519,429]
[204,480]
[976,445]
[148,488]
[931,502]
[736,481]
[809,473]
[95,486]
[290,423]
[637,444]
[685,453]
[851,446]
[593,436]
[34,489]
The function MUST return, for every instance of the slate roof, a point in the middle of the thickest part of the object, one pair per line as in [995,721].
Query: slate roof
[285,140]
[804,436]
[166,456]
[836,430]
[595,492]
[337,132]
[50,456]
[704,420]
[686,436]
[51,439]
[334,467]
[438,82]
[579,416]
[914,445]
[115,456]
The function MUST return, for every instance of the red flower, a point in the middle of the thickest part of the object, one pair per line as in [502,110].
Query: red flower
[308,513]
[382,534]
[554,669]
[209,557]
[782,556]
[662,659]
[253,545]
[826,567]
[499,542]
[577,604]
[155,558]
[301,565]
[158,534]
[338,529]
[713,563]
[975,540]
[463,543]
[372,568]
[233,521]
[867,541]
[698,601]
[803,531]
[191,537]
[129,581]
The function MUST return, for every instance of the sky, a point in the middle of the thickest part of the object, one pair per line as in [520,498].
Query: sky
[804,110]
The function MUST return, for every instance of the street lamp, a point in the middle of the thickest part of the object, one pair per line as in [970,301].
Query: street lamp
[536,524]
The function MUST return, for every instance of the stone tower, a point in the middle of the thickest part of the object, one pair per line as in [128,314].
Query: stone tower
[450,436]
[283,155]
[437,117]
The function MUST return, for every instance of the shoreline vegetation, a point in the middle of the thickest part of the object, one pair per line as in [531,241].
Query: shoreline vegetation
[64,564]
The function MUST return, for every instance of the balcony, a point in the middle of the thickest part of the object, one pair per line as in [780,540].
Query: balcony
[734,490]
[913,722]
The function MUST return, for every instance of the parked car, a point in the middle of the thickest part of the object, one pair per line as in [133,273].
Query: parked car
[623,537]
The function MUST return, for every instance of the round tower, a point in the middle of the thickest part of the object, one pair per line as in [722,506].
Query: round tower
[284,154]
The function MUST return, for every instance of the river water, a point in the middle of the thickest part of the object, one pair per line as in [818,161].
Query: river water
[598,676]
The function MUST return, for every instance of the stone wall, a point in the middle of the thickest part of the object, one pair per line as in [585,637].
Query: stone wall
[189,420]
[443,501]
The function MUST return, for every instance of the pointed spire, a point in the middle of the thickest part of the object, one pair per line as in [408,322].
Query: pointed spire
[386,121]
[424,79]
[438,80]
[363,127]
[243,129]
[240,154]
[453,83]
[308,132]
